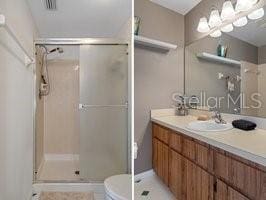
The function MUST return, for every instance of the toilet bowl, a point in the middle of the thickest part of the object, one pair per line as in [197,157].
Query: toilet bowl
[118,187]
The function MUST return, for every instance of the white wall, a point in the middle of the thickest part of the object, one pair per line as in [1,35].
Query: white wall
[157,75]
[16,104]
[249,86]
[261,88]
[125,31]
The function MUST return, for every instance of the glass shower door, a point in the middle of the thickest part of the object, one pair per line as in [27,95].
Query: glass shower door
[103,111]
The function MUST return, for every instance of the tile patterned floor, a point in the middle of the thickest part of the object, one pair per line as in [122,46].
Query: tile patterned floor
[154,187]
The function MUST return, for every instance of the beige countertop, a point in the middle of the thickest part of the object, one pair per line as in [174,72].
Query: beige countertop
[247,144]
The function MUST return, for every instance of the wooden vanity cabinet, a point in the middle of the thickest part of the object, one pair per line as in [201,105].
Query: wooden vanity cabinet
[187,180]
[246,178]
[161,160]
[194,170]
[176,175]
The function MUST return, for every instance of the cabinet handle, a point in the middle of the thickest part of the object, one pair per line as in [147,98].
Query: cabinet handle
[215,186]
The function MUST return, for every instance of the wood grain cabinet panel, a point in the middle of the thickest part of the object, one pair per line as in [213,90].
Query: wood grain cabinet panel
[162,161]
[176,183]
[221,192]
[244,178]
[155,154]
[194,170]
[175,142]
[222,166]
[234,195]
[161,133]
[204,157]
[224,192]
[247,179]
[198,183]
[189,149]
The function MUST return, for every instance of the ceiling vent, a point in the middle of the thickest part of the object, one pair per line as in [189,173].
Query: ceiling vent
[50,4]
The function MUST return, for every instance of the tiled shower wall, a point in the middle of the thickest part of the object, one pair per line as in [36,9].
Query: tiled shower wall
[61,115]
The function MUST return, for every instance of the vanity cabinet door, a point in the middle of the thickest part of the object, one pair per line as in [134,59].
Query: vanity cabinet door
[225,192]
[163,159]
[221,192]
[155,154]
[198,183]
[160,159]
[176,183]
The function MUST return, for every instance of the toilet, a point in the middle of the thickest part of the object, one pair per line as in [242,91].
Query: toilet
[118,187]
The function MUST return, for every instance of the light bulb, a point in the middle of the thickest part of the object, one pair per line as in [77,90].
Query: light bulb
[216,34]
[241,22]
[256,14]
[203,26]
[253,1]
[215,19]
[243,5]
[228,11]
[228,28]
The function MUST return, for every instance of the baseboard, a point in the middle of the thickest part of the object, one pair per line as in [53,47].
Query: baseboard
[63,157]
[143,175]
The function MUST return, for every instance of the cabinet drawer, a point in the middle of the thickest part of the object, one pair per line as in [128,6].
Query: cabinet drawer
[176,142]
[160,133]
[189,149]
[204,157]
[250,181]
[222,165]
[247,179]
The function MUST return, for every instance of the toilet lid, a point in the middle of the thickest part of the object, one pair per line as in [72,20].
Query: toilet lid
[118,187]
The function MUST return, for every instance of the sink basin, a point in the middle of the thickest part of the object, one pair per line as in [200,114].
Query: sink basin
[209,126]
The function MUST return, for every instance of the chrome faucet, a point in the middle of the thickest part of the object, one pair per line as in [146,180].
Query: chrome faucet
[182,109]
[218,118]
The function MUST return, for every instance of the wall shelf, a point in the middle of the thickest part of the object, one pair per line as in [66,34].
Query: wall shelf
[218,59]
[148,42]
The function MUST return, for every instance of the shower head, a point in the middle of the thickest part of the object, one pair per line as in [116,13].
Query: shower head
[59,49]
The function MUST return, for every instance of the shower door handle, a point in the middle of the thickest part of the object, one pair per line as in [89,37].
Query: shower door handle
[82,106]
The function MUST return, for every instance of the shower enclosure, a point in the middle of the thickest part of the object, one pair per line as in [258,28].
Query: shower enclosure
[82,123]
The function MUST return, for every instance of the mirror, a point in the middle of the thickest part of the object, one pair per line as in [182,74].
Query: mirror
[228,73]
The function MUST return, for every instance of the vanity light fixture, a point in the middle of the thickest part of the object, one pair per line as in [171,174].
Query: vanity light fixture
[203,26]
[253,1]
[228,11]
[215,19]
[241,22]
[244,5]
[229,17]
[216,34]
[227,28]
[256,14]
